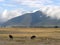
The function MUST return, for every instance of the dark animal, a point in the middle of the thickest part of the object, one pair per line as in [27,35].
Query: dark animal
[10,36]
[56,26]
[33,37]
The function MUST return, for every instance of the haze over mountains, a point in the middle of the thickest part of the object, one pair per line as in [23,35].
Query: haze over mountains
[36,19]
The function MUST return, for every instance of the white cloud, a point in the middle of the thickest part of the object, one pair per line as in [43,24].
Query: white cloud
[6,15]
[45,5]
[10,5]
[33,3]
[2,0]
[54,11]
[50,9]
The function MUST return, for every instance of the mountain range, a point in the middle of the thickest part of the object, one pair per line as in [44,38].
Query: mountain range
[36,19]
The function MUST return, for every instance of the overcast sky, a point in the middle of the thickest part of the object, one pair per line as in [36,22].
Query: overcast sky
[13,8]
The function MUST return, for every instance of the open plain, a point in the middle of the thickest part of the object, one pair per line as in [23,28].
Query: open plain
[22,36]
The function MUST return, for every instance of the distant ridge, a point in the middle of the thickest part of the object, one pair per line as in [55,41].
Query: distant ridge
[36,19]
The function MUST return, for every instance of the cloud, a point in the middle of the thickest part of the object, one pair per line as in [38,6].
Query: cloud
[6,15]
[2,0]
[33,3]
[9,5]
[47,6]
[53,12]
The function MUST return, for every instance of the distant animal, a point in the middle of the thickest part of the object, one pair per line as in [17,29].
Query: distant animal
[56,26]
[33,37]
[10,36]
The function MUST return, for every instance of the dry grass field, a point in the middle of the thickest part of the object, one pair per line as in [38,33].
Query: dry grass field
[22,36]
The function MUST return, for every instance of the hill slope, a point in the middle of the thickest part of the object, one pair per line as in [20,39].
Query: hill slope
[35,19]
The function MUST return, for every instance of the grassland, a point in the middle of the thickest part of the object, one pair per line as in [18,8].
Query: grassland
[44,36]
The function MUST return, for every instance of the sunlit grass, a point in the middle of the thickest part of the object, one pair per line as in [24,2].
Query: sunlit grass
[44,36]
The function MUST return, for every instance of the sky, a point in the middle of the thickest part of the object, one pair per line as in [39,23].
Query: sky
[12,8]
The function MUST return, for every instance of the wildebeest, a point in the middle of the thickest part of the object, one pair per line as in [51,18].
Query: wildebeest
[10,36]
[33,37]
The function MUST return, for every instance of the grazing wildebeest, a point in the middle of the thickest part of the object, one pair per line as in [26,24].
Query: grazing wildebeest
[10,36]
[33,37]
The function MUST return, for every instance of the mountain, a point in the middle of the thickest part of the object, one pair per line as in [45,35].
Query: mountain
[36,19]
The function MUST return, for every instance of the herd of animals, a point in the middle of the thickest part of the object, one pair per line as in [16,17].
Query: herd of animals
[11,37]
